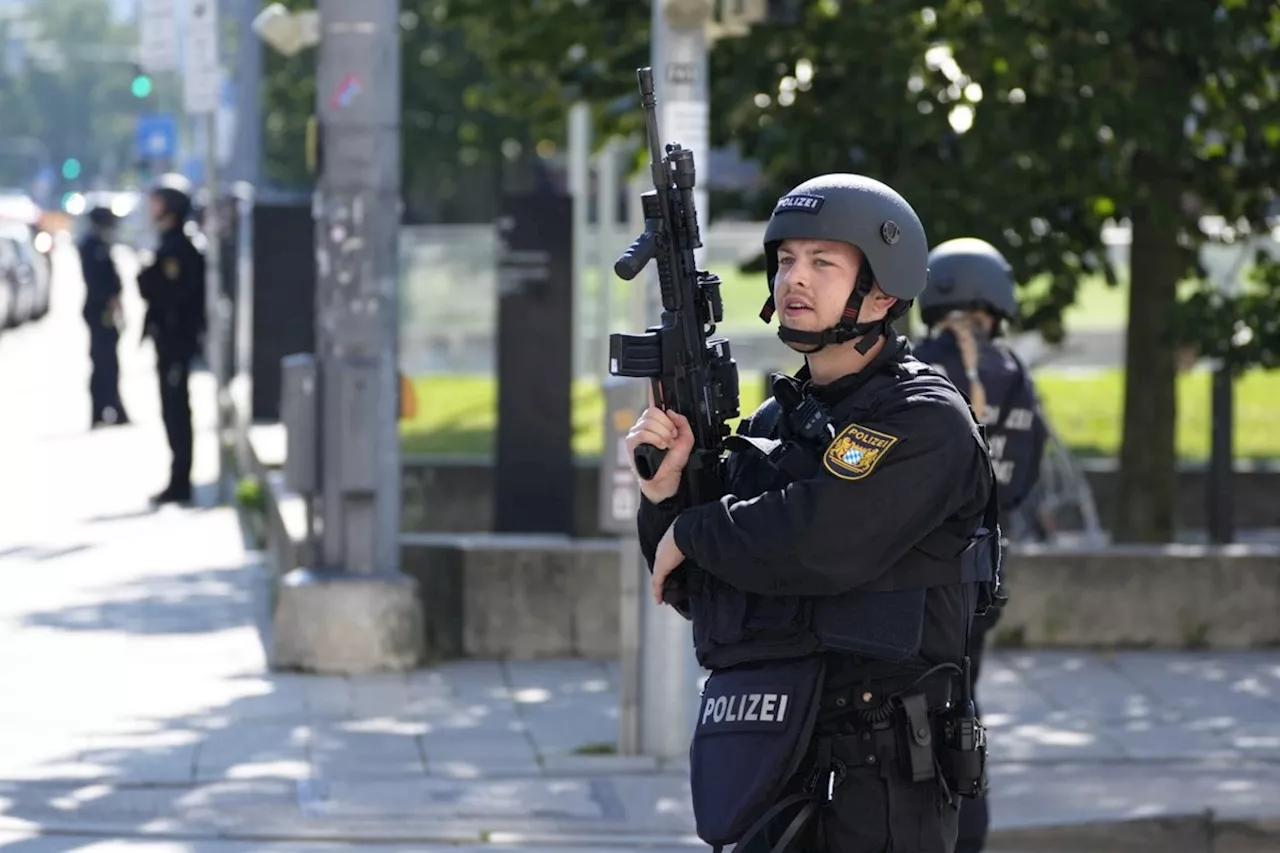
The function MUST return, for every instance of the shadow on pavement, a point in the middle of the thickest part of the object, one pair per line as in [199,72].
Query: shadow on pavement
[194,602]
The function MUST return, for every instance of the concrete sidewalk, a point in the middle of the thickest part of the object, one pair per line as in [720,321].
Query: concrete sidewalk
[137,702]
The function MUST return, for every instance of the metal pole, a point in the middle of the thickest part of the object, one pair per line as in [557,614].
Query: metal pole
[580,188]
[606,239]
[247,157]
[1225,263]
[634,574]
[242,387]
[1220,512]
[679,58]
[215,337]
[357,212]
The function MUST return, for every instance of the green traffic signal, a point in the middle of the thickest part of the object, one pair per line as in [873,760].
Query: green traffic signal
[141,86]
[71,168]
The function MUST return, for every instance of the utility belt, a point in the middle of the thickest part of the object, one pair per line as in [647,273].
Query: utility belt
[766,729]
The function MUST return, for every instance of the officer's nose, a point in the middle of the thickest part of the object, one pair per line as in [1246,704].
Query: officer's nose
[794,277]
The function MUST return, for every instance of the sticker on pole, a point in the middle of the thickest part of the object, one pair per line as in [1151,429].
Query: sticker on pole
[345,92]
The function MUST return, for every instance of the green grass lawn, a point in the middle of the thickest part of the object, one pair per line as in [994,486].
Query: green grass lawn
[456,414]
[1097,305]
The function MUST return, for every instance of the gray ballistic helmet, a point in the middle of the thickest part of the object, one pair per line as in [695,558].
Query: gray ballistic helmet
[174,192]
[968,273]
[870,215]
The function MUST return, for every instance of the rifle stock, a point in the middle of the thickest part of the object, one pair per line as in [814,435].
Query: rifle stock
[690,370]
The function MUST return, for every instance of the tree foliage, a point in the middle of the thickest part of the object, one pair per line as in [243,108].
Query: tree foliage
[457,152]
[66,93]
[1030,123]
[1154,114]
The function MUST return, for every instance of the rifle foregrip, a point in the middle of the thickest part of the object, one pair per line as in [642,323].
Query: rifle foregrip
[648,460]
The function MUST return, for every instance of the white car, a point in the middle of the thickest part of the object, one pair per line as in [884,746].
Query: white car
[30,272]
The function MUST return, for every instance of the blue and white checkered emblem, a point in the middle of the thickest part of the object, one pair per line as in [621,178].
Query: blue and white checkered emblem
[852,456]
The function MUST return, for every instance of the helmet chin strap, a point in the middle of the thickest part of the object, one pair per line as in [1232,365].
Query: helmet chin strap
[846,330]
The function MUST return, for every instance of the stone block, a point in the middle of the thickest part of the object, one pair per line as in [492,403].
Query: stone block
[1159,596]
[516,596]
[347,624]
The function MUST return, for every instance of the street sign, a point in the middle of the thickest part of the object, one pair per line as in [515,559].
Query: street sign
[157,35]
[201,83]
[156,137]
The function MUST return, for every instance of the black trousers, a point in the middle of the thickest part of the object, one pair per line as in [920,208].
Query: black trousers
[975,815]
[104,376]
[175,408]
[875,808]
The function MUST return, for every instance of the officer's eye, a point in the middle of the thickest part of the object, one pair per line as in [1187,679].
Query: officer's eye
[783,260]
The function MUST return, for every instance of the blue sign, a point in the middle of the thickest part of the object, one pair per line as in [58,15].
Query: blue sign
[193,169]
[157,136]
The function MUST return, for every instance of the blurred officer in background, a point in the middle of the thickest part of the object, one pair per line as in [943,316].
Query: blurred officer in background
[173,287]
[969,298]
[103,315]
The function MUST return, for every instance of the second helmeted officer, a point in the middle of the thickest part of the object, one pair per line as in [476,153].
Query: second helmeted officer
[173,287]
[832,589]
[970,297]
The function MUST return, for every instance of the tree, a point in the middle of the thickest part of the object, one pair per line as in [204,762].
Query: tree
[1157,114]
[69,95]
[456,153]
[1030,124]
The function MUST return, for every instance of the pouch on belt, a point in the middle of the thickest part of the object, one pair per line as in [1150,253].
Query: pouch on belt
[753,730]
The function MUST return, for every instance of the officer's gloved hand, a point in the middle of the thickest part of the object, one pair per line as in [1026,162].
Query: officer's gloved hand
[669,431]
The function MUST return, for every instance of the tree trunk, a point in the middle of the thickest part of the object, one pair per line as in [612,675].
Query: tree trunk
[1147,483]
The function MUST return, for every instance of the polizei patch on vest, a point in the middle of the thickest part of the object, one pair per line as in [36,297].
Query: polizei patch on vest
[856,451]
[800,203]
[754,709]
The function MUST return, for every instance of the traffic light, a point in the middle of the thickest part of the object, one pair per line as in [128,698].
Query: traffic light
[141,86]
[71,168]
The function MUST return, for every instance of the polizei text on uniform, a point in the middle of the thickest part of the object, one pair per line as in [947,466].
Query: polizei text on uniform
[745,707]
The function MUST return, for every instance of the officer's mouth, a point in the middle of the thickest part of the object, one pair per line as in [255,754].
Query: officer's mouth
[795,308]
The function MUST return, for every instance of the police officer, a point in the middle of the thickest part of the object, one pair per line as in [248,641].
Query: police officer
[101,313]
[969,299]
[832,589]
[173,287]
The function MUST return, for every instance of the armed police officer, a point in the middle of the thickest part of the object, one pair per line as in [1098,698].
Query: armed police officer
[102,314]
[970,297]
[173,287]
[832,589]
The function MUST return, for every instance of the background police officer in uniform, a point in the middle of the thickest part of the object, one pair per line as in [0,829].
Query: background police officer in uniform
[832,589]
[970,297]
[173,287]
[102,314]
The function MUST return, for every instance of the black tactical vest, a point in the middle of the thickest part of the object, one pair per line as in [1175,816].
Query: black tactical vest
[1015,432]
[883,620]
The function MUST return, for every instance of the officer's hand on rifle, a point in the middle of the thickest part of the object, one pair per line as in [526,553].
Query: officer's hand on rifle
[669,431]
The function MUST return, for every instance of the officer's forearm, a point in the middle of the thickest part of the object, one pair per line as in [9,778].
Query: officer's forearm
[652,521]
[761,546]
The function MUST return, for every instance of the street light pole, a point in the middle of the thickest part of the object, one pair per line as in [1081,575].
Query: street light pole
[355,611]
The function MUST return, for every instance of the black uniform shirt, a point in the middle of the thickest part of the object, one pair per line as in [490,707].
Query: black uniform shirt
[906,460]
[101,281]
[173,287]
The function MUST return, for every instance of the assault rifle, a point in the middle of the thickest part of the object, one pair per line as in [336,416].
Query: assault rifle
[689,370]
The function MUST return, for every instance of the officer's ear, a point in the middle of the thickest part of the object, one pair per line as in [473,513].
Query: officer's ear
[881,300]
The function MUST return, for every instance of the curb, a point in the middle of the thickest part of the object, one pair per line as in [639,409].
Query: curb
[1201,833]
[1196,833]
